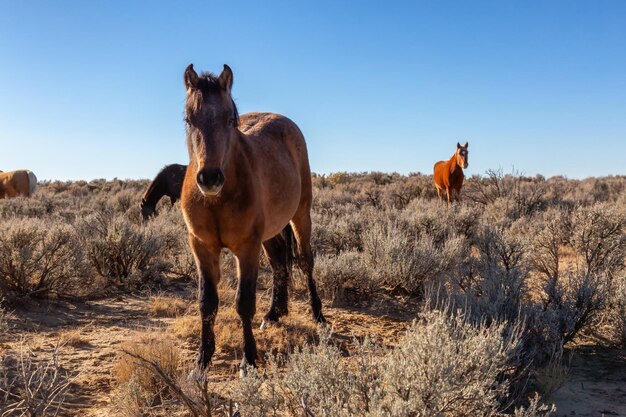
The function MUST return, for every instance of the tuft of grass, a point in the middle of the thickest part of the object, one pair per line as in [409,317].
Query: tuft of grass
[155,347]
[186,327]
[73,338]
[167,306]
[554,374]
[139,391]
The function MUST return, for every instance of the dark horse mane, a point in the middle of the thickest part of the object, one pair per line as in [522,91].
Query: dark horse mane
[209,83]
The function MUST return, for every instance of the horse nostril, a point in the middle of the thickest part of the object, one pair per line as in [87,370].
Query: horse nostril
[210,178]
[200,178]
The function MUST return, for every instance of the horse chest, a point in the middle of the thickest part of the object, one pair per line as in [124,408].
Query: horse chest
[220,226]
[456,178]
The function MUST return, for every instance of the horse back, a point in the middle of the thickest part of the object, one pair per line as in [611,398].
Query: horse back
[276,142]
[280,165]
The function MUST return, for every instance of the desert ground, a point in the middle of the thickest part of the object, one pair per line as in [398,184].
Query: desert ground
[512,302]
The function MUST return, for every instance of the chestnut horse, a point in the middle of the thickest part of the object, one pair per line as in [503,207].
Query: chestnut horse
[17,183]
[247,181]
[449,176]
[168,182]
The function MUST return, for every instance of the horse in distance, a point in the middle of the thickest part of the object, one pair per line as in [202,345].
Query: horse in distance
[17,183]
[168,182]
[247,185]
[448,175]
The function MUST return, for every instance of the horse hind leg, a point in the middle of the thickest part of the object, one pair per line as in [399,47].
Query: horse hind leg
[301,224]
[277,250]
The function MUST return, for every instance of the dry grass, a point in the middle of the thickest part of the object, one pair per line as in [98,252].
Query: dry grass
[554,374]
[138,390]
[167,306]
[153,346]
[33,384]
[292,331]
[73,338]
[186,327]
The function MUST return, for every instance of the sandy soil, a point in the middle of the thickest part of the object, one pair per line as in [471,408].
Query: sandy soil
[596,384]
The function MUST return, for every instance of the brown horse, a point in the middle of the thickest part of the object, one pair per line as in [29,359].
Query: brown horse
[247,181]
[168,182]
[17,183]
[449,176]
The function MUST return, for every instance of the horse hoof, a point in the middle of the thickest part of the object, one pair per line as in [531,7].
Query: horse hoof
[267,323]
[322,323]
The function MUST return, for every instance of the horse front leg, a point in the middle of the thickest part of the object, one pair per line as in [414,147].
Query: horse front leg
[208,265]
[245,301]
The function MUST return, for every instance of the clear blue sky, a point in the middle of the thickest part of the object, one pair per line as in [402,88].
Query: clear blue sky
[92,89]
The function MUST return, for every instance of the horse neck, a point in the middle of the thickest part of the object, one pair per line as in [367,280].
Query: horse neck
[155,191]
[453,165]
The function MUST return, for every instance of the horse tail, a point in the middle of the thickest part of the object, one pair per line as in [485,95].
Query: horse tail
[291,245]
[32,182]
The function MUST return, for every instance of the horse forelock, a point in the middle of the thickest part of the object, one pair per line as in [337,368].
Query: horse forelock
[208,83]
[194,101]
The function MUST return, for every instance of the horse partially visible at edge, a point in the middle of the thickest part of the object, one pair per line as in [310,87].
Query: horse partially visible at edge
[247,187]
[448,175]
[168,182]
[17,183]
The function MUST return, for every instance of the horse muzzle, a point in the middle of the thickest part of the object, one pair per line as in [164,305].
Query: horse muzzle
[210,181]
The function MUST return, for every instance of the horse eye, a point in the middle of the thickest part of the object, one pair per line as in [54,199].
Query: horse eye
[231,121]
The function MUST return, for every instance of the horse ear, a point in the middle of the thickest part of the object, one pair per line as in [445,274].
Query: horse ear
[191,78]
[458,145]
[466,143]
[226,78]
